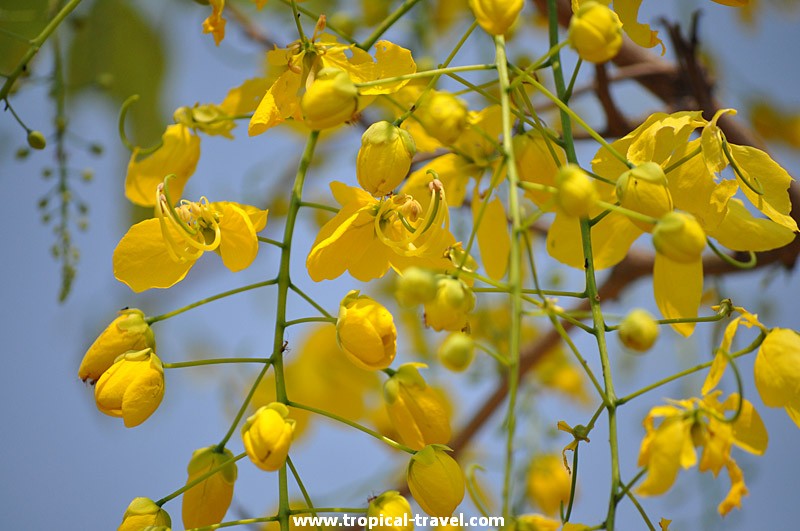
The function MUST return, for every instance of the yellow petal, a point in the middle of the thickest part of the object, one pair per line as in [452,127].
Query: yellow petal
[493,238]
[246,97]
[774,180]
[178,154]
[279,103]
[142,398]
[741,231]
[341,241]
[664,456]
[749,432]
[238,245]
[611,240]
[454,173]
[215,24]
[391,60]
[720,359]
[258,217]
[738,489]
[641,34]
[678,288]
[777,369]
[142,261]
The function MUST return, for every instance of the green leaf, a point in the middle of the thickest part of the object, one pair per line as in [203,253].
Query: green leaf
[119,48]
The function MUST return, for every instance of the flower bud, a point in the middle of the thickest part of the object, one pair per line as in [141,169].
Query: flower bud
[365,332]
[644,189]
[384,158]
[576,194]
[415,410]
[209,118]
[36,140]
[267,435]
[331,100]
[496,16]
[548,483]
[449,309]
[443,116]
[132,388]
[595,32]
[127,332]
[435,480]
[143,512]
[679,237]
[207,502]
[392,511]
[638,330]
[415,286]
[457,352]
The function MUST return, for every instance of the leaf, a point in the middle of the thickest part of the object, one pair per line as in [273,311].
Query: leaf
[116,43]
[25,18]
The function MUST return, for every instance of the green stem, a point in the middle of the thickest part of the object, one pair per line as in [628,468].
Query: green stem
[309,300]
[296,17]
[638,216]
[387,23]
[300,485]
[319,206]
[311,320]
[311,510]
[199,479]
[333,416]
[213,361]
[500,359]
[574,483]
[426,73]
[35,46]
[514,269]
[270,241]
[641,510]
[157,318]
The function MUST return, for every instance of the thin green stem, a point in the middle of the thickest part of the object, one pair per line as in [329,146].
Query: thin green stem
[199,479]
[387,23]
[311,320]
[319,206]
[35,45]
[500,359]
[530,69]
[638,216]
[574,483]
[296,17]
[309,300]
[9,107]
[684,159]
[424,74]
[270,241]
[641,510]
[300,485]
[315,16]
[173,313]
[212,361]
[514,269]
[359,427]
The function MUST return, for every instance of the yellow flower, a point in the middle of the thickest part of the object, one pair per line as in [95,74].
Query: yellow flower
[392,511]
[457,352]
[435,480]
[158,252]
[365,331]
[450,308]
[576,194]
[415,409]
[496,16]
[384,158]
[141,513]
[331,100]
[132,388]
[368,236]
[638,330]
[129,331]
[595,32]
[300,65]
[777,371]
[695,422]
[207,502]
[720,362]
[548,483]
[178,155]
[267,435]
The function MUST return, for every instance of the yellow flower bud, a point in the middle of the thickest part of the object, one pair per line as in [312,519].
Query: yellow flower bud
[549,484]
[435,480]
[141,513]
[457,352]
[365,332]
[390,512]
[384,158]
[443,116]
[644,189]
[415,409]
[331,100]
[415,286]
[576,194]
[496,16]
[127,332]
[36,140]
[209,118]
[267,435]
[449,309]
[638,330]
[777,371]
[595,32]
[679,237]
[207,502]
[132,388]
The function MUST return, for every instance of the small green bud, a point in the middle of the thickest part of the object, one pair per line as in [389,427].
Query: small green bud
[638,330]
[457,352]
[415,286]
[22,153]
[36,140]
